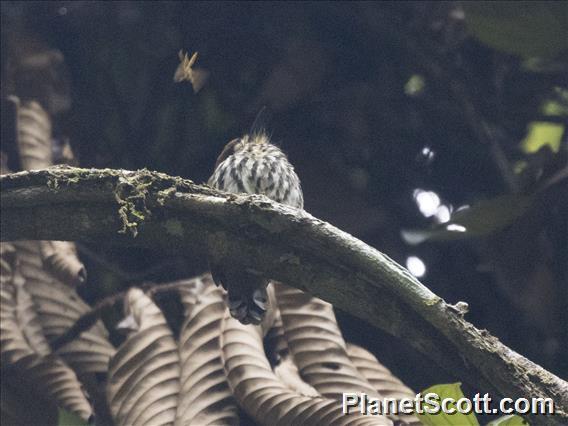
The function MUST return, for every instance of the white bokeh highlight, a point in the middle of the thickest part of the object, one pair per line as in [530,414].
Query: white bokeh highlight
[416,266]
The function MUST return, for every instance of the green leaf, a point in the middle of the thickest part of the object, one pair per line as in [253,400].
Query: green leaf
[70,419]
[541,134]
[451,390]
[529,28]
[510,420]
[554,108]
[482,219]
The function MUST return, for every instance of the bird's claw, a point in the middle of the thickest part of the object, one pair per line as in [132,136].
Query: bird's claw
[251,312]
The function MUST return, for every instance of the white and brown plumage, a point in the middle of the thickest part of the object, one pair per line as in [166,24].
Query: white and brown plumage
[252,165]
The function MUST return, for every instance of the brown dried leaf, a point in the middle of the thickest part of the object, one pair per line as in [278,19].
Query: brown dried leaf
[143,385]
[377,374]
[381,378]
[264,396]
[289,374]
[205,398]
[23,310]
[60,258]
[58,307]
[34,136]
[29,321]
[317,345]
[282,362]
[7,263]
[27,367]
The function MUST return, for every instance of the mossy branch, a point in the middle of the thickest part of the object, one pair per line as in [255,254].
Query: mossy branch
[158,211]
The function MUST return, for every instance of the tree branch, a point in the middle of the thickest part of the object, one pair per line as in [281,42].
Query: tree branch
[155,210]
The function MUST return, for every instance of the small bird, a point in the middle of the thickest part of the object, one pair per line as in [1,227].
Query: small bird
[252,165]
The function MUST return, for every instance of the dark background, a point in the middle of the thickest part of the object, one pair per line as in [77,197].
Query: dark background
[372,102]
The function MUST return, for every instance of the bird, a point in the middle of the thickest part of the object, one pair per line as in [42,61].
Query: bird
[252,164]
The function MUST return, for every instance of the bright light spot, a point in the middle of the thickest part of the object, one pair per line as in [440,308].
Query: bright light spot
[414,85]
[443,213]
[427,152]
[456,228]
[426,156]
[62,11]
[428,202]
[415,266]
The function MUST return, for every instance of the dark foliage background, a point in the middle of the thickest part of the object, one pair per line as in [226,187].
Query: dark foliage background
[373,102]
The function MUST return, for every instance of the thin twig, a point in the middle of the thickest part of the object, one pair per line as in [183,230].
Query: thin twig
[88,319]
[119,272]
